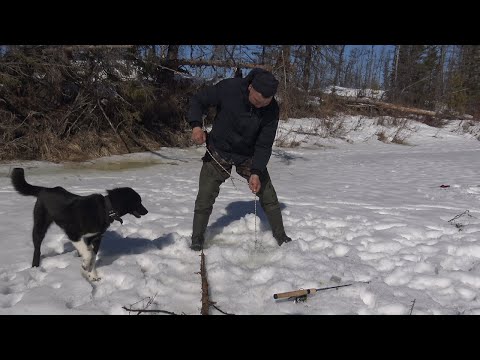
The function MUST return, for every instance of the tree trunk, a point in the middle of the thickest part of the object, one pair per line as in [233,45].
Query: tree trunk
[339,66]
[221,63]
[172,62]
[306,67]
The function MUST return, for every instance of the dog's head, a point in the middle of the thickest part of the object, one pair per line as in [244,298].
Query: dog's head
[126,201]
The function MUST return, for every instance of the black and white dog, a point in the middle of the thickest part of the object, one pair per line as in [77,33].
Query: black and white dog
[83,218]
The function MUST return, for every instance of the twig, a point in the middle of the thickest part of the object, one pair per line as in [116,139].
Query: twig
[285,81]
[73,124]
[220,63]
[457,216]
[411,309]
[137,142]
[86,47]
[203,274]
[150,301]
[148,311]
[108,119]
[216,307]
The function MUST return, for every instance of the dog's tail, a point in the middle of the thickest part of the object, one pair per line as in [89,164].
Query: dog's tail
[22,187]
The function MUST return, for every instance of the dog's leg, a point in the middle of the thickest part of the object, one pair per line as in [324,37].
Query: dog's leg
[41,223]
[94,244]
[88,259]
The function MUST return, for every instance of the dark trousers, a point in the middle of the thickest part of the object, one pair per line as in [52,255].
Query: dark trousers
[212,176]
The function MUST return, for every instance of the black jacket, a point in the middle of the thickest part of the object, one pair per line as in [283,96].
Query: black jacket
[240,131]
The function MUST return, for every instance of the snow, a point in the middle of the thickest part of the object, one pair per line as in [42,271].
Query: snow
[359,210]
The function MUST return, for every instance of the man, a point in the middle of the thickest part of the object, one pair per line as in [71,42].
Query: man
[243,132]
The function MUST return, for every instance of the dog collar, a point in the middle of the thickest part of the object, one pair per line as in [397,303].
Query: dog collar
[112,215]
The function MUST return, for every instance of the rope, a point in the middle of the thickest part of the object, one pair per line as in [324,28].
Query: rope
[238,178]
[255,202]
[230,175]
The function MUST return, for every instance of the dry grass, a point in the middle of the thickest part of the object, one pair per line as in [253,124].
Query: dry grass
[434,121]
[56,110]
[297,104]
[381,136]
[399,136]
[82,146]
[286,142]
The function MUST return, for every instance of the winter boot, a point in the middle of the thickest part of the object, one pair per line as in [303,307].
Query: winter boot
[197,243]
[200,222]
[282,238]
[274,217]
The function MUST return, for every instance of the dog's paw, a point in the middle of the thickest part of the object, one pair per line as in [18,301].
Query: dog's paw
[91,276]
[95,278]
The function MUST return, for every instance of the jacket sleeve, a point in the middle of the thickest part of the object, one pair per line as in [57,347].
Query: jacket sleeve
[200,102]
[264,143]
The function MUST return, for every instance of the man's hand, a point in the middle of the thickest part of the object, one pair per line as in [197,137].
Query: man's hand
[254,183]
[198,136]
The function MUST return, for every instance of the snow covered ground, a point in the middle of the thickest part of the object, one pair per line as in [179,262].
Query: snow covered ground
[342,91]
[360,211]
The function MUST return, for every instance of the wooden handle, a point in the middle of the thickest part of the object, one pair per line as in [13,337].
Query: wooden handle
[294,293]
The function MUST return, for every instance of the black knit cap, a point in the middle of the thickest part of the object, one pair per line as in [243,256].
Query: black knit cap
[265,83]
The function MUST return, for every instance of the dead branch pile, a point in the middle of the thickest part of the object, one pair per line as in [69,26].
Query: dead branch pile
[61,105]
